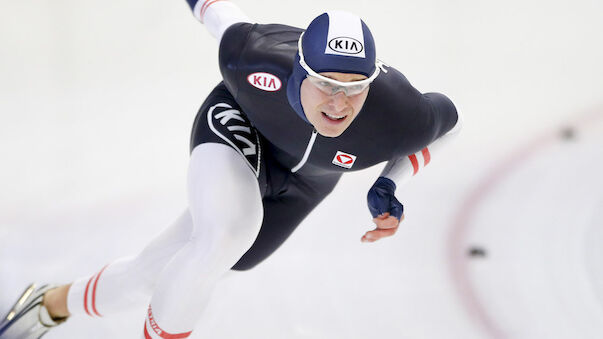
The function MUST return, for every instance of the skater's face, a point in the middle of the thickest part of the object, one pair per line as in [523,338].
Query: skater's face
[329,109]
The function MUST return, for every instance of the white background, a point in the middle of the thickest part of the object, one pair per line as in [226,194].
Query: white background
[97,99]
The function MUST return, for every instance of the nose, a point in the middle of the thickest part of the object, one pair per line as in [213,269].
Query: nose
[339,101]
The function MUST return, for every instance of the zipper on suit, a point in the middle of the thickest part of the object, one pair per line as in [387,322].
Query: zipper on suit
[306,153]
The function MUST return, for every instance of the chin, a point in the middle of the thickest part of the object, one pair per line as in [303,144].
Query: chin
[328,132]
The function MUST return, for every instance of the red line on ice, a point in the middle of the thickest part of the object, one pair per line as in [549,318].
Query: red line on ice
[461,226]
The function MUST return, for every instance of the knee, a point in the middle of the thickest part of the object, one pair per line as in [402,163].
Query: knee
[234,228]
[226,224]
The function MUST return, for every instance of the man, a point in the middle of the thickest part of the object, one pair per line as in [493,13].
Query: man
[294,112]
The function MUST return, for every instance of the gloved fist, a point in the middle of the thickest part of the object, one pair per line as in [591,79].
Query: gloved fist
[385,208]
[381,199]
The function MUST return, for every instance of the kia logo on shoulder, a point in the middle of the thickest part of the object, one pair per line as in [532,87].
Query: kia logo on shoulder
[264,81]
[346,45]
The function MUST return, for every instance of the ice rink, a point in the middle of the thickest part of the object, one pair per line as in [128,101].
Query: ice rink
[503,236]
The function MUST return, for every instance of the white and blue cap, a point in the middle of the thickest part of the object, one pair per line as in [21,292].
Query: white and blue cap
[335,41]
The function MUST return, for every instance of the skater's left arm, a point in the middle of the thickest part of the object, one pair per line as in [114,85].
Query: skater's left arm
[217,15]
[387,211]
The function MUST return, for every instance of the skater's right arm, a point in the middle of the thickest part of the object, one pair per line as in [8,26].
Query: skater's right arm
[217,15]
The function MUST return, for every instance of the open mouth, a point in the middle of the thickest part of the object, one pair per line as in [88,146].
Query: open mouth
[334,118]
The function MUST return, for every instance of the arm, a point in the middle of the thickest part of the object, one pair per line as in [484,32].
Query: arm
[402,169]
[217,15]
[387,211]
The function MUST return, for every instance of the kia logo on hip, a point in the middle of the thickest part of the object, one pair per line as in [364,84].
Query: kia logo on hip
[345,160]
[264,81]
[346,45]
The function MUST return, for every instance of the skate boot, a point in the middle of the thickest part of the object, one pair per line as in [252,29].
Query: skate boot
[28,319]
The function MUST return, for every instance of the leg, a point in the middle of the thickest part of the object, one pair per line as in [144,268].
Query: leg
[126,282]
[226,209]
[55,302]
[122,284]
[223,230]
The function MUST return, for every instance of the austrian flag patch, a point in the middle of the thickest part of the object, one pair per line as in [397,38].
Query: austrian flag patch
[344,160]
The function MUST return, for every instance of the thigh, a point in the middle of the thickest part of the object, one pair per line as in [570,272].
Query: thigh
[283,212]
[226,176]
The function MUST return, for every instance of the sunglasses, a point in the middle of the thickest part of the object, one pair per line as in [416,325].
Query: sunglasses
[330,86]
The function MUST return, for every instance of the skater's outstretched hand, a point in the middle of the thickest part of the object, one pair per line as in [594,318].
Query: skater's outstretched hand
[387,226]
[386,210]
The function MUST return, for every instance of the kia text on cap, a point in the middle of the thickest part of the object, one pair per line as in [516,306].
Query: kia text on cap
[346,45]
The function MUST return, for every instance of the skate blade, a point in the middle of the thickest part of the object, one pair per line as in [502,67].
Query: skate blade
[13,312]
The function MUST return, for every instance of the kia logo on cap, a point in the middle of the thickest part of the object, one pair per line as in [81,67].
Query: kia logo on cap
[264,81]
[345,160]
[346,45]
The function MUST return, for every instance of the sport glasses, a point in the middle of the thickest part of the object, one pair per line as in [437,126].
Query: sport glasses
[330,86]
